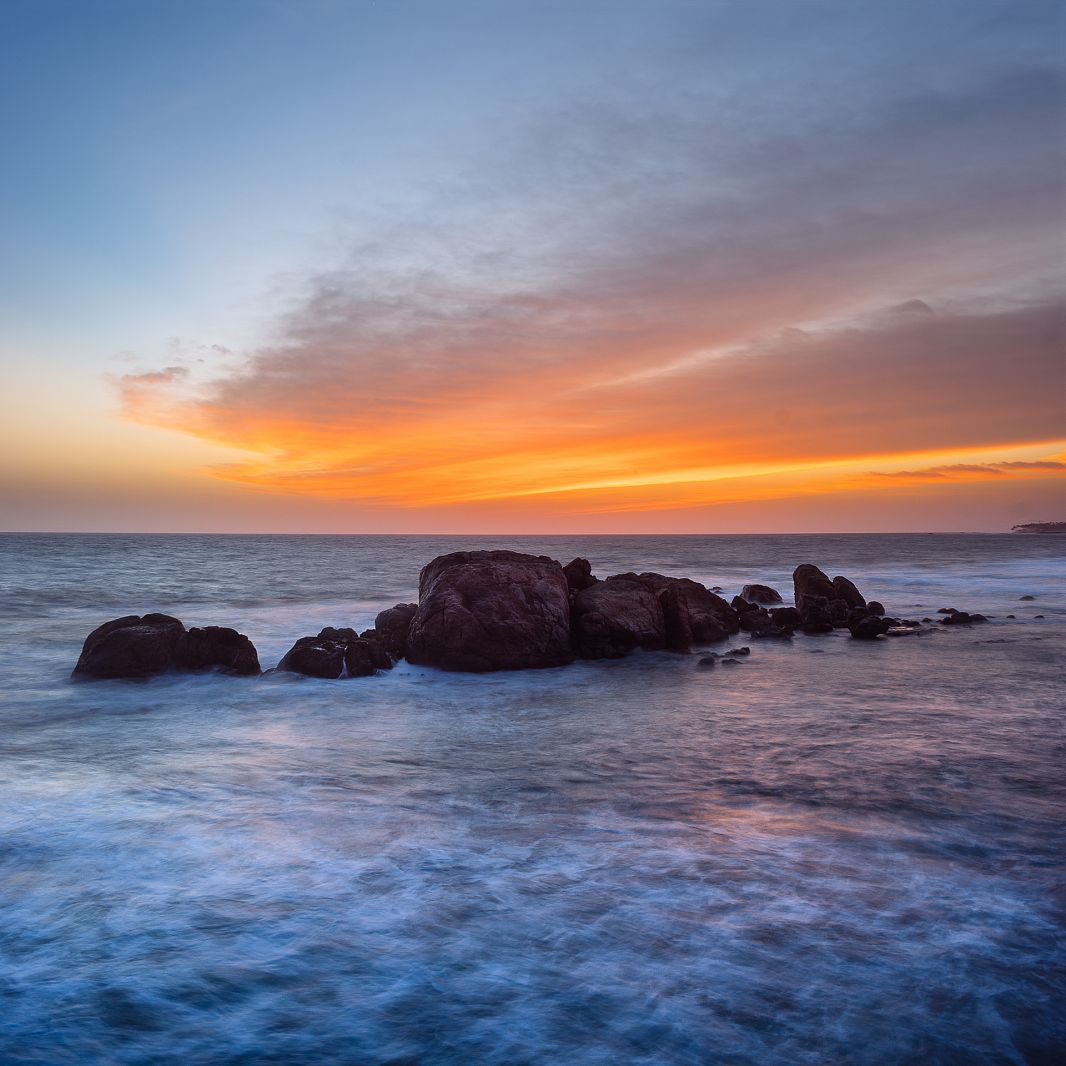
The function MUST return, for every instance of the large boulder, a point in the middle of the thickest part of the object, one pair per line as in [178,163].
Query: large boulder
[613,617]
[762,594]
[692,613]
[141,646]
[811,583]
[392,627]
[491,610]
[335,651]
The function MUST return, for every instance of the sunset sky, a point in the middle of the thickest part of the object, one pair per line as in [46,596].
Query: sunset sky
[508,266]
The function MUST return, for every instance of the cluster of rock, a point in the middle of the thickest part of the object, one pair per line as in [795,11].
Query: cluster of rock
[503,610]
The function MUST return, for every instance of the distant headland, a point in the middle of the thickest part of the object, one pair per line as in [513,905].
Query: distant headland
[1040,527]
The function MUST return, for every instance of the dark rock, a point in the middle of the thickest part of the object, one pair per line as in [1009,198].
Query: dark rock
[334,651]
[816,611]
[216,647]
[760,594]
[132,646]
[579,574]
[815,629]
[874,607]
[869,628]
[613,617]
[392,627]
[786,616]
[154,643]
[708,660]
[958,618]
[730,662]
[773,633]
[492,610]
[1038,616]
[690,610]
[810,582]
[1026,597]
[945,610]
[927,619]
[743,606]
[739,651]
[314,657]
[846,591]
[1009,616]
[716,588]
[757,621]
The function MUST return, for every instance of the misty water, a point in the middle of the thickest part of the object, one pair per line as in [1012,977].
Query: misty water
[836,851]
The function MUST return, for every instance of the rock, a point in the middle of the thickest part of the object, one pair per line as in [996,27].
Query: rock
[745,650]
[962,618]
[743,606]
[869,628]
[578,574]
[786,616]
[730,662]
[613,617]
[762,594]
[1038,616]
[132,646]
[692,614]
[874,607]
[314,657]
[136,646]
[757,621]
[846,591]
[708,660]
[945,610]
[810,582]
[816,629]
[1026,597]
[1009,616]
[217,647]
[392,627]
[334,651]
[492,610]
[773,633]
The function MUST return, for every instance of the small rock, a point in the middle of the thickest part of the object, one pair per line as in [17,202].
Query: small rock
[708,660]
[730,662]
[874,607]
[1026,597]
[760,594]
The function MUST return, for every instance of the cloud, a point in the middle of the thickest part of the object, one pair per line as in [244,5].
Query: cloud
[955,471]
[675,281]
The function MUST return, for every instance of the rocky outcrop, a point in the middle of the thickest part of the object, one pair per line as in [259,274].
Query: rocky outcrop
[810,583]
[392,626]
[578,573]
[141,646]
[613,617]
[761,594]
[334,652]
[491,610]
[692,613]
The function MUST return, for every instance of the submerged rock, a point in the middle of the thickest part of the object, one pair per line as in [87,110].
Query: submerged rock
[141,646]
[491,610]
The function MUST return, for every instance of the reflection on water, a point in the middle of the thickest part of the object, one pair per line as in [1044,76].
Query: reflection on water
[856,855]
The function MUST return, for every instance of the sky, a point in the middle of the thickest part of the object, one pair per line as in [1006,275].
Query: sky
[508,266]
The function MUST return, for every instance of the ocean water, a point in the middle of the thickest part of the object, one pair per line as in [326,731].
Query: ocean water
[835,852]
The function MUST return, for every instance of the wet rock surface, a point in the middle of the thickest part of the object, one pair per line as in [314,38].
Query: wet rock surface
[141,646]
[491,610]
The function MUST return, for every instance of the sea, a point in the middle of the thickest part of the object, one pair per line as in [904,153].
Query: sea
[834,851]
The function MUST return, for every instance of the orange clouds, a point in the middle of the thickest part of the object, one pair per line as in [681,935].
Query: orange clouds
[580,427]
